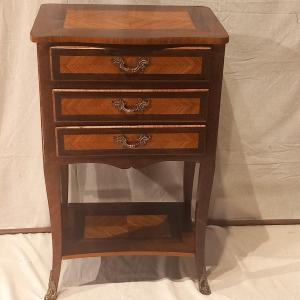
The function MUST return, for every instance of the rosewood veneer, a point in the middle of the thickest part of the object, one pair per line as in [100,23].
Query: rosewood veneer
[128,86]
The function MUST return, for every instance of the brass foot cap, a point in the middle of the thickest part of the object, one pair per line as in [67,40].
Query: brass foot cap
[204,287]
[51,293]
[50,296]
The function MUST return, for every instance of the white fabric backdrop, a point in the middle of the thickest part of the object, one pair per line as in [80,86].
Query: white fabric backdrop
[258,166]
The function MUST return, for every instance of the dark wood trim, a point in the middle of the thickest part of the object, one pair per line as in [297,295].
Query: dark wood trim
[130,84]
[188,182]
[64,180]
[124,208]
[129,253]
[163,246]
[131,160]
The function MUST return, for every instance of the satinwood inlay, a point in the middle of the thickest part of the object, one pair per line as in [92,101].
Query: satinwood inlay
[100,142]
[128,19]
[104,106]
[128,25]
[103,65]
[126,226]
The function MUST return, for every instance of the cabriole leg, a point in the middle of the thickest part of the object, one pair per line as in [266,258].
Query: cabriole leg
[53,187]
[188,179]
[206,176]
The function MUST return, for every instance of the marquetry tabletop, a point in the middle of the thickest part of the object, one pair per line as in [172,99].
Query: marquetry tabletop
[117,24]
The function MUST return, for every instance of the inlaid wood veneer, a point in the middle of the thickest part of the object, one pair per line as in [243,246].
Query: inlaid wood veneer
[134,25]
[96,63]
[130,19]
[130,105]
[103,65]
[99,140]
[105,106]
[126,226]
[85,142]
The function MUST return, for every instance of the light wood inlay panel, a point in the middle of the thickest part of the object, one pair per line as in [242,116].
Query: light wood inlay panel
[185,140]
[130,226]
[104,106]
[128,24]
[103,65]
[125,19]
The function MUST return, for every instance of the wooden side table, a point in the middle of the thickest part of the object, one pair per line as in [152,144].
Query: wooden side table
[128,86]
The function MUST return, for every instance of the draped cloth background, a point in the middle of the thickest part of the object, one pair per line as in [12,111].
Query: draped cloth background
[258,157]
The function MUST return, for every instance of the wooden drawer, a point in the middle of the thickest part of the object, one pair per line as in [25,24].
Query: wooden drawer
[97,140]
[90,63]
[131,105]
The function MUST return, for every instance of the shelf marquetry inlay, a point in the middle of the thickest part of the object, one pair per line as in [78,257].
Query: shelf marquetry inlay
[126,226]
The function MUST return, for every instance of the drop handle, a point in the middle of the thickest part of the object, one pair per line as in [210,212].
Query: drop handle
[141,64]
[122,106]
[142,140]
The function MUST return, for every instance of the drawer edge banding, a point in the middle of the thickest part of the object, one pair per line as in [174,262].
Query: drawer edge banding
[132,126]
[103,48]
[131,90]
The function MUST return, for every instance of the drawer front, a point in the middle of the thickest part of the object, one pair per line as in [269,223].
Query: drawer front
[131,105]
[130,139]
[78,63]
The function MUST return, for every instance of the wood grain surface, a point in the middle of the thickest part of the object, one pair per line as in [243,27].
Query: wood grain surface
[128,19]
[105,106]
[107,141]
[131,226]
[127,25]
[103,65]
[125,247]
[127,106]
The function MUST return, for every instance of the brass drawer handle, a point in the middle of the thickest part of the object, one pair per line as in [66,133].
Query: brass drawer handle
[141,106]
[142,140]
[142,63]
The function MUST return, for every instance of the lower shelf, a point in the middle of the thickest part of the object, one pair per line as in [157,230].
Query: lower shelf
[155,247]
[125,229]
